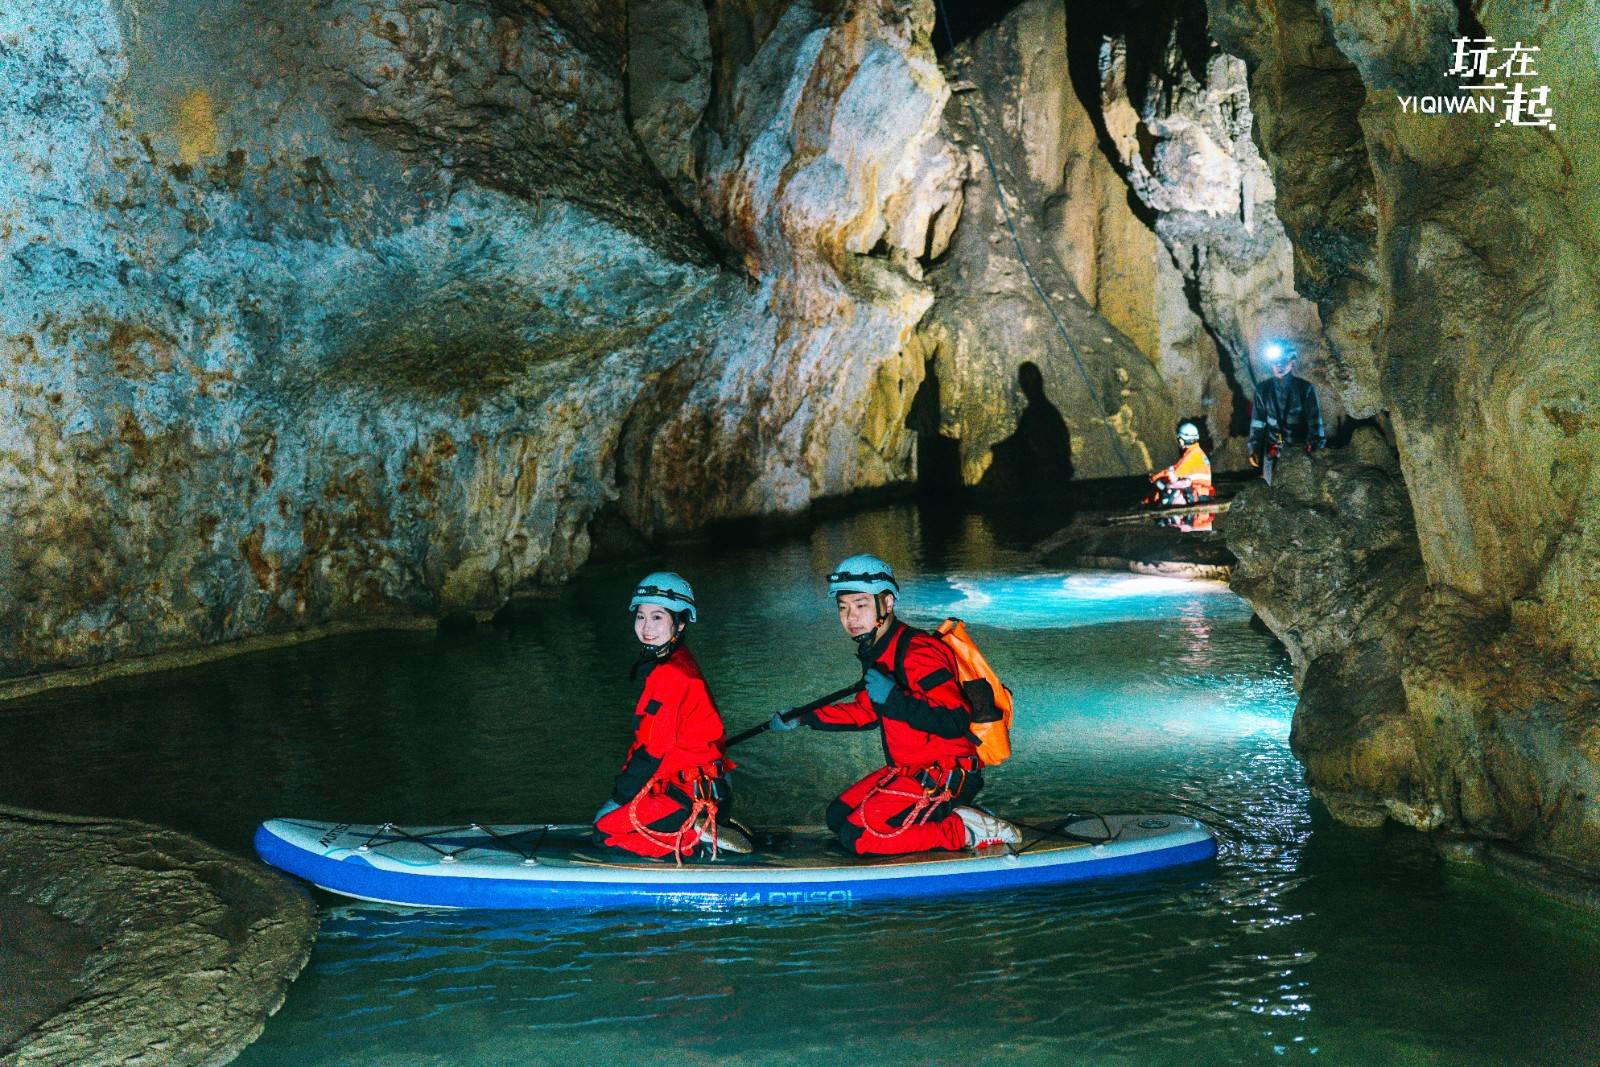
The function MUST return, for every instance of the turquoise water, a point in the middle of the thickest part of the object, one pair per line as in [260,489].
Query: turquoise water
[1305,939]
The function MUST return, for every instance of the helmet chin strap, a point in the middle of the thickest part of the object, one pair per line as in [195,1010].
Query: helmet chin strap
[878,602]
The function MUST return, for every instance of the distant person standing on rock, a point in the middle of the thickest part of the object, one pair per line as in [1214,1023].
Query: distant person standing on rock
[1286,412]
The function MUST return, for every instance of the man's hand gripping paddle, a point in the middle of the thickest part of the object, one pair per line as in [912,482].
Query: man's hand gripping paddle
[794,713]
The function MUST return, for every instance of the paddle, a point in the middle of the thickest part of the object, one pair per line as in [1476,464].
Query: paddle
[795,713]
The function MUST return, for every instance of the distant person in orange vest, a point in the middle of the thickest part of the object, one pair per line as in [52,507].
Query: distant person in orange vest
[1187,481]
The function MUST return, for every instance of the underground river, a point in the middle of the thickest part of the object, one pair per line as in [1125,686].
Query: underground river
[1304,939]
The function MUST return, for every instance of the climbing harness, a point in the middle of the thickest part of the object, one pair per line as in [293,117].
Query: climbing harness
[700,787]
[923,803]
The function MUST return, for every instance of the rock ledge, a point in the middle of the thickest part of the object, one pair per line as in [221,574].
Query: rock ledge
[196,947]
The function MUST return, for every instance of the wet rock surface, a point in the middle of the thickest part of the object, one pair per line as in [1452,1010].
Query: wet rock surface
[1414,707]
[1167,544]
[1449,259]
[362,315]
[188,949]
[41,960]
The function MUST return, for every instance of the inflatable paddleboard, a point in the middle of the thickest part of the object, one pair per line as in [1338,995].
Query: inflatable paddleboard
[559,866]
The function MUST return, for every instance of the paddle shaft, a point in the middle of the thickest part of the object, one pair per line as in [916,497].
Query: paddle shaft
[795,713]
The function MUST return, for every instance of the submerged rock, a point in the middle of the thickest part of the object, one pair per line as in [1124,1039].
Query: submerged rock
[42,960]
[1142,543]
[190,949]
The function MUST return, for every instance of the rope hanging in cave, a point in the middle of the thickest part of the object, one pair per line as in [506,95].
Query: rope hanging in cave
[1022,255]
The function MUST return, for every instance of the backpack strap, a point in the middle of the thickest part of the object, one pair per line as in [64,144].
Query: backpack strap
[901,651]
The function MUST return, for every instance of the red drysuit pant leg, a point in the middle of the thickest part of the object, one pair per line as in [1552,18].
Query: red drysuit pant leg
[662,813]
[875,812]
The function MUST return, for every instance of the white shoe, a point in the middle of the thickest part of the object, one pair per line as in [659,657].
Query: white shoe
[984,829]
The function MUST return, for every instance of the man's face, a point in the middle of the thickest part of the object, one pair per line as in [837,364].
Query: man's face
[858,612]
[1283,368]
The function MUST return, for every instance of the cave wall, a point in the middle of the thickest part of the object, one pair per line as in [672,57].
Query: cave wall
[1123,135]
[331,311]
[317,312]
[1452,261]
[302,309]
[1175,112]
[823,159]
[989,320]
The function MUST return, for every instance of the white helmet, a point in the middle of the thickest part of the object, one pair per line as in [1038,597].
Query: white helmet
[1188,433]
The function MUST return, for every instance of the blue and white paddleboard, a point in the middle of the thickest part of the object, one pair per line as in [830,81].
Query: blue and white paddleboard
[560,867]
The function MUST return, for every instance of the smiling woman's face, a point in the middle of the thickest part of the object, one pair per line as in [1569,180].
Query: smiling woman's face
[652,624]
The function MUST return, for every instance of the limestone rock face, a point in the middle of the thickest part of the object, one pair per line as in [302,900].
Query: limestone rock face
[365,313]
[1414,707]
[1451,260]
[1328,557]
[824,163]
[1123,134]
[1176,111]
[306,319]
[990,319]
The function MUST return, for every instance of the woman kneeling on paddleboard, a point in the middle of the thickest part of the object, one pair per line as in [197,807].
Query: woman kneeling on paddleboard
[674,783]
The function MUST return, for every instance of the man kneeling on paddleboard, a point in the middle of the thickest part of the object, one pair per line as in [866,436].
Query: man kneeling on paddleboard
[910,691]
[674,780]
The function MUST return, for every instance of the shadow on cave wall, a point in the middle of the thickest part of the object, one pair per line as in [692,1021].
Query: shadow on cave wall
[1035,462]
[962,20]
[938,457]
